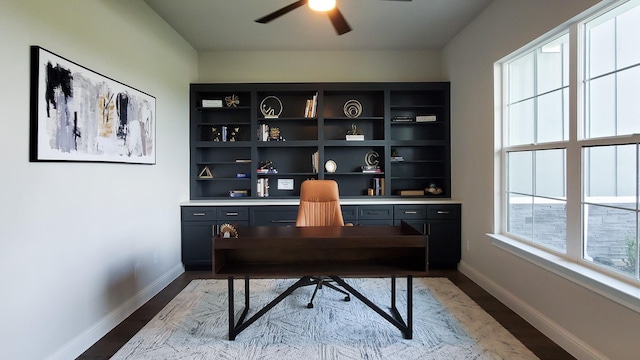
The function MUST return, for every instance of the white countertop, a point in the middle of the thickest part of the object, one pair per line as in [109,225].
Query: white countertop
[374,200]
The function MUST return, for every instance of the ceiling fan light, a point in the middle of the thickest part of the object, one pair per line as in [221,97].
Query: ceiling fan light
[322,5]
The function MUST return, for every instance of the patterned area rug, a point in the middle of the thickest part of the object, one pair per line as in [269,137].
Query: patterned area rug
[447,325]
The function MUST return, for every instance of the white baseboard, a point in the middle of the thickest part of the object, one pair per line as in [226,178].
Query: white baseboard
[568,341]
[87,338]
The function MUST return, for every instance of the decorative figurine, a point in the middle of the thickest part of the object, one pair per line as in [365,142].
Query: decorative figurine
[234,133]
[232,100]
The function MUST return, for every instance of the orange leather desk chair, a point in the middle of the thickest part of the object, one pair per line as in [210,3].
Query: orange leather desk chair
[320,206]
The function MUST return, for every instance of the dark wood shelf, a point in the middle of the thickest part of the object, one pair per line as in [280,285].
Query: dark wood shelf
[424,145]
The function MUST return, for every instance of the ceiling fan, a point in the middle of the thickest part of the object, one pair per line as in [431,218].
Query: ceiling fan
[338,21]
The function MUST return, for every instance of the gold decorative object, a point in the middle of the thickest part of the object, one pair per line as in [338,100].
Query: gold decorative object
[234,133]
[228,231]
[352,108]
[271,107]
[232,100]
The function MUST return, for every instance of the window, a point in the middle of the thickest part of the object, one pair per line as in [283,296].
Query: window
[611,83]
[598,138]
[535,152]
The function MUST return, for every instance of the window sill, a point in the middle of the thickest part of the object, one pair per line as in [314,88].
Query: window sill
[621,292]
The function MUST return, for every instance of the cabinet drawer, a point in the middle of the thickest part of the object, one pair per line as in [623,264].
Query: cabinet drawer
[373,212]
[274,215]
[443,212]
[190,213]
[232,213]
[349,212]
[408,212]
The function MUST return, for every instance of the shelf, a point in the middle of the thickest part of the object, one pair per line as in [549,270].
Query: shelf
[425,146]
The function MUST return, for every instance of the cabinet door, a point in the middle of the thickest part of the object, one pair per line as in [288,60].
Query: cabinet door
[443,226]
[196,244]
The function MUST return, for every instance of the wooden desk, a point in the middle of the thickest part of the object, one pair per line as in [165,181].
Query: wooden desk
[284,252]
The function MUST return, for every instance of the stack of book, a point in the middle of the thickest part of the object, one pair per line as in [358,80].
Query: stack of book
[370,169]
[397,158]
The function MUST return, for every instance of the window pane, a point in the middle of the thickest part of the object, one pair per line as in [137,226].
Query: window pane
[552,65]
[628,29]
[550,173]
[520,215]
[610,175]
[521,123]
[550,223]
[602,107]
[610,238]
[628,92]
[521,78]
[552,121]
[602,48]
[519,172]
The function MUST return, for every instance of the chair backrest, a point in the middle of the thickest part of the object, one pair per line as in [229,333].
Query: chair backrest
[319,204]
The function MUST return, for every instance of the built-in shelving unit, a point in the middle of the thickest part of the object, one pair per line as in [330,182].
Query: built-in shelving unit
[227,146]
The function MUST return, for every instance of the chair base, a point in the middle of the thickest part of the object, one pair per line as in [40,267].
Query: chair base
[320,282]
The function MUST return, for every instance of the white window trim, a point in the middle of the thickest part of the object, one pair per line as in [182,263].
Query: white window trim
[570,266]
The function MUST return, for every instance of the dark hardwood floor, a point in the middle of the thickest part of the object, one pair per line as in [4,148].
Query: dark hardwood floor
[527,334]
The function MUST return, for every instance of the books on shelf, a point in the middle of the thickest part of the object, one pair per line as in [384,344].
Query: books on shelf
[311,107]
[378,186]
[263,187]
[315,160]
[263,132]
[397,158]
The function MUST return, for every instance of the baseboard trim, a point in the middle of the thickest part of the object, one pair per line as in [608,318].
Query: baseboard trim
[90,336]
[565,339]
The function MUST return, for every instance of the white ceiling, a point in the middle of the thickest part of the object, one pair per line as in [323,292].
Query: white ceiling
[228,25]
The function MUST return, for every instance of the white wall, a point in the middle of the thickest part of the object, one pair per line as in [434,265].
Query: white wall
[584,323]
[319,66]
[83,244]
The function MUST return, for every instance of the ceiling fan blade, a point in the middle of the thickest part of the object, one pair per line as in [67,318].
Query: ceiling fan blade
[338,21]
[276,14]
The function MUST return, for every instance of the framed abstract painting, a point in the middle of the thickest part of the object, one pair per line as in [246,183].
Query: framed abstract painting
[80,115]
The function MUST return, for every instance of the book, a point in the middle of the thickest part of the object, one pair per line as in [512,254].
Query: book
[354,137]
[425,118]
[209,103]
[411,192]
[402,119]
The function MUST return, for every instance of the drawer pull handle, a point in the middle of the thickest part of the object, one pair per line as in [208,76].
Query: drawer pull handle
[283,221]
[198,214]
[231,214]
[442,212]
[411,212]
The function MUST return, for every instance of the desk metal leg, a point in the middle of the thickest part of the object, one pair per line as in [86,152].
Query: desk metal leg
[236,328]
[395,319]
